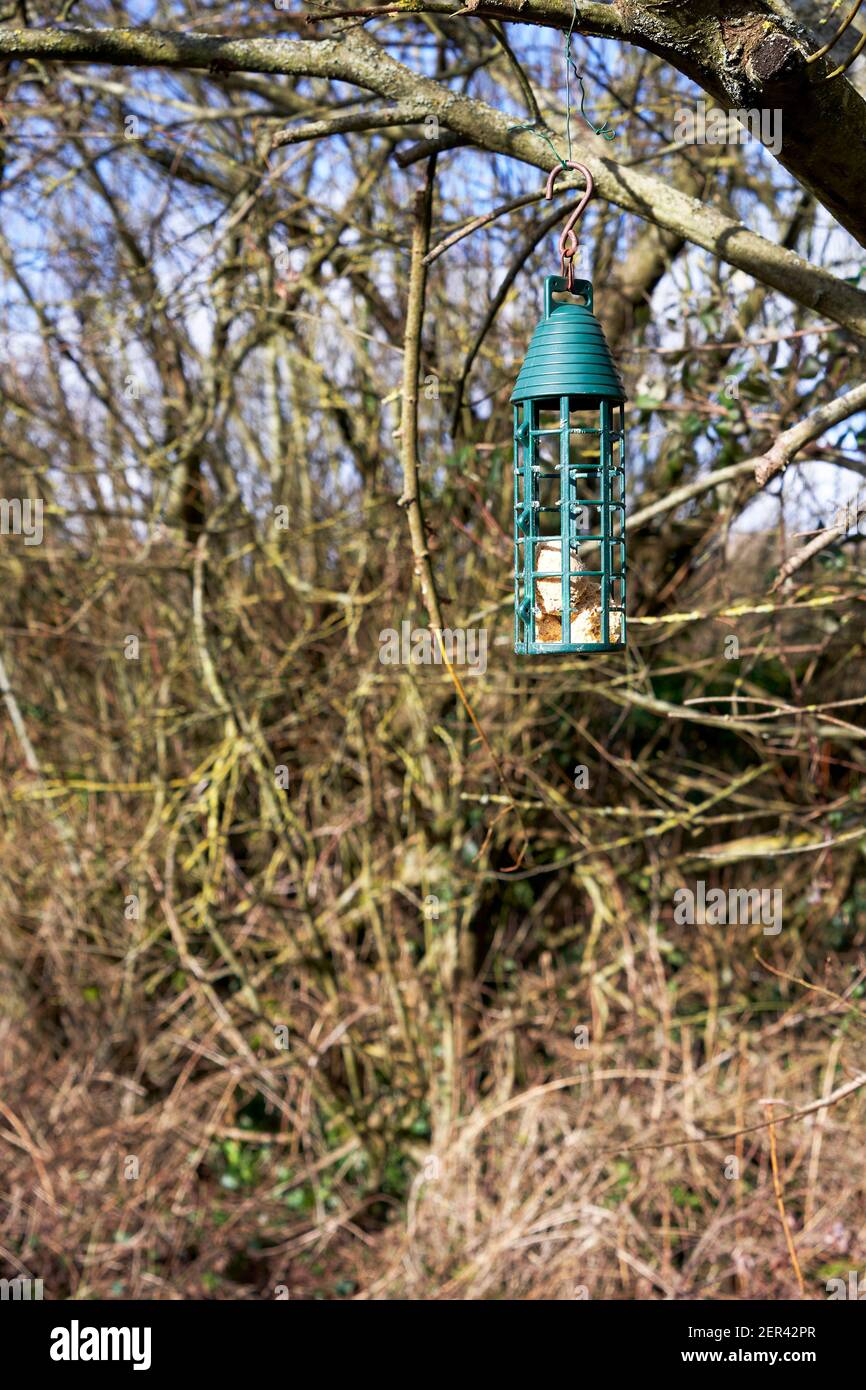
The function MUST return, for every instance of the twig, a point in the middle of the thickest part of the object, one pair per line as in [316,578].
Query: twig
[820,53]
[767,465]
[777,458]
[833,1099]
[381,118]
[806,984]
[849,516]
[482,221]
[517,264]
[780,1200]
[411,498]
[563,1083]
[8,696]
[522,80]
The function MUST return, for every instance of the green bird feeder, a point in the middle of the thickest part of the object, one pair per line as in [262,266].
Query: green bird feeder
[569,480]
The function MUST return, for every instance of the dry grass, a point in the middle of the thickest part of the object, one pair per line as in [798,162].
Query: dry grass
[323,1040]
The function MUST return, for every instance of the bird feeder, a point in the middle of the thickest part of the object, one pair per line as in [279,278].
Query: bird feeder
[569,476]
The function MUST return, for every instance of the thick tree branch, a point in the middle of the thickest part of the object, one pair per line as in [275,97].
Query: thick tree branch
[753,55]
[356,58]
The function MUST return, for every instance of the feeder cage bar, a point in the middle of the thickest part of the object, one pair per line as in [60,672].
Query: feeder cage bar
[569,485]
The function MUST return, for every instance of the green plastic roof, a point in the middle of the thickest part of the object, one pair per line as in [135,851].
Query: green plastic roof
[568,355]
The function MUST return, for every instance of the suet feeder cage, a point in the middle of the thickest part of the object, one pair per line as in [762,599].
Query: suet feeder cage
[569,480]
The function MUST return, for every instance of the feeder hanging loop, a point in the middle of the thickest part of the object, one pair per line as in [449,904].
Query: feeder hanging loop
[568,239]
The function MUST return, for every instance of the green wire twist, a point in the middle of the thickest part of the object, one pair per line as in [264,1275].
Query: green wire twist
[533,125]
[605,131]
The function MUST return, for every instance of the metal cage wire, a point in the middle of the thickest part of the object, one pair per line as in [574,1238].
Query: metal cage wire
[569,486]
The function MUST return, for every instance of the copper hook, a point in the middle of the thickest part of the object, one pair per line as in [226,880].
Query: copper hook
[568,238]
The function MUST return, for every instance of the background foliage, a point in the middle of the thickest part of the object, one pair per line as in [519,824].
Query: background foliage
[295,966]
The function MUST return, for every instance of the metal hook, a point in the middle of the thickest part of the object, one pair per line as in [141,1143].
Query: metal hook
[568,239]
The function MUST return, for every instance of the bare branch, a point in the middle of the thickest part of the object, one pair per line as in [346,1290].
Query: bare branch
[848,518]
[777,458]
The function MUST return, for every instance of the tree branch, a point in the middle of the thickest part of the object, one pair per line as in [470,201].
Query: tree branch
[850,515]
[411,498]
[360,60]
[777,458]
[407,114]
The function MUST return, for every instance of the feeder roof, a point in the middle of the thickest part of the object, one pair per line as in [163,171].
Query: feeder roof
[568,355]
